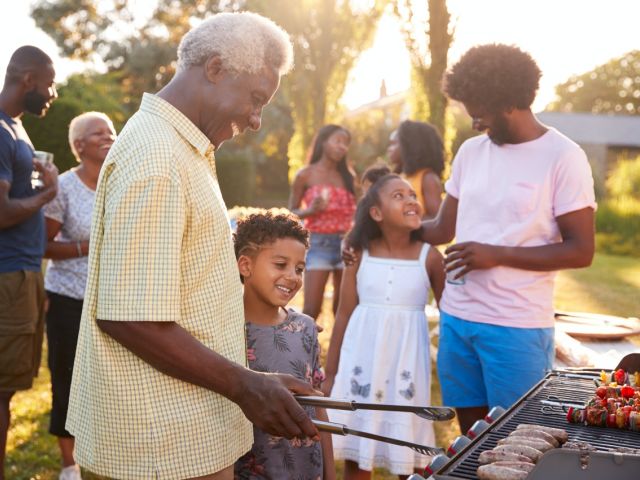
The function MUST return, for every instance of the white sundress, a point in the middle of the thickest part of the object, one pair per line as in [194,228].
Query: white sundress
[385,359]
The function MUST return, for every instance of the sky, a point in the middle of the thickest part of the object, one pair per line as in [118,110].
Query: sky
[565,37]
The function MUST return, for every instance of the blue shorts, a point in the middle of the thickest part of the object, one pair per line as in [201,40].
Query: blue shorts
[325,252]
[487,365]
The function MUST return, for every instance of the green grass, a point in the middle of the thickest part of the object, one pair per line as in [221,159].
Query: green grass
[610,285]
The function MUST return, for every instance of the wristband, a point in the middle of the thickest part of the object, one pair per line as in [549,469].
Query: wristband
[79,248]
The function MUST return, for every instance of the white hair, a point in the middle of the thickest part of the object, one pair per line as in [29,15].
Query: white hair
[78,128]
[245,41]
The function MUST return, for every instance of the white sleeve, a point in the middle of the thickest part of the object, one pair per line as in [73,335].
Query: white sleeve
[573,183]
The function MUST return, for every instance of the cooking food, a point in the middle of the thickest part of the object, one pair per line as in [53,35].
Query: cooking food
[499,472]
[516,455]
[525,450]
[491,456]
[559,434]
[530,442]
[536,434]
[615,404]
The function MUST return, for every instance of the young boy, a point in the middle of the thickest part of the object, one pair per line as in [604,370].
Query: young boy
[271,250]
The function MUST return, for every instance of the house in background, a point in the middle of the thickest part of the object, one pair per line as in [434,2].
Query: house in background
[604,138]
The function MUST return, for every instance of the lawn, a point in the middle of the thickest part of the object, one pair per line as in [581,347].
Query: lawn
[611,285]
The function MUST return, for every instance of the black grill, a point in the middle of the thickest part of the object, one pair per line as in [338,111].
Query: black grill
[566,389]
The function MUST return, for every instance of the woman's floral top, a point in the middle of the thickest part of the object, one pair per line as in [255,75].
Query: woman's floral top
[291,347]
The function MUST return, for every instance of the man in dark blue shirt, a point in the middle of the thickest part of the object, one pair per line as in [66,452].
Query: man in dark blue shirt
[28,87]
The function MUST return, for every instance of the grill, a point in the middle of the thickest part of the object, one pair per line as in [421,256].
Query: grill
[564,464]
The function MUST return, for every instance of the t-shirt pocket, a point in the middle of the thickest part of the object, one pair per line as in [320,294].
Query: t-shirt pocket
[522,199]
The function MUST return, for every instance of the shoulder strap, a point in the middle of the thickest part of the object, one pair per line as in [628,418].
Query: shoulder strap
[423,253]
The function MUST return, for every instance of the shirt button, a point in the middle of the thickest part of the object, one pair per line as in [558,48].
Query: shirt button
[390,281]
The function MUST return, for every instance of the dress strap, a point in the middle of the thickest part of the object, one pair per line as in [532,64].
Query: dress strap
[423,253]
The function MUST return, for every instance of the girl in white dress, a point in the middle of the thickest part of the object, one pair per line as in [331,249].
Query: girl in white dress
[379,349]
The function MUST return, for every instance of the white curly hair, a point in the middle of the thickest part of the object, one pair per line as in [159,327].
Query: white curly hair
[78,128]
[246,42]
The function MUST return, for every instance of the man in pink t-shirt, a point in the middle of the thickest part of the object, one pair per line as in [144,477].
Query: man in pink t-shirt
[520,202]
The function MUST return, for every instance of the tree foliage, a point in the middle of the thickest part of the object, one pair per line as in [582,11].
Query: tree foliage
[610,88]
[328,36]
[428,54]
[81,93]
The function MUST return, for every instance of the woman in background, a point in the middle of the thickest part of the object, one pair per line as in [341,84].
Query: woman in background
[68,221]
[323,195]
[417,153]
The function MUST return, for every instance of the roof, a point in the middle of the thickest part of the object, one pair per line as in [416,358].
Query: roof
[594,129]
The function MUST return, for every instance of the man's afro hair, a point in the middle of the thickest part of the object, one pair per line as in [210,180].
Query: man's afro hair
[495,77]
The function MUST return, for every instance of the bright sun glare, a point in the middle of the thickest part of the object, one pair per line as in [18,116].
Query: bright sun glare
[565,37]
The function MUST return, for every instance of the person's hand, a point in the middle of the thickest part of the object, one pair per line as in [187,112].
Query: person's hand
[468,256]
[348,253]
[266,400]
[318,204]
[49,177]
[327,384]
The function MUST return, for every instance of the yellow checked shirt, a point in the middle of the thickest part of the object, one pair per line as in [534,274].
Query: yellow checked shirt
[160,250]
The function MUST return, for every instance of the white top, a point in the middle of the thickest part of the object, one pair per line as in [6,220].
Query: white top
[511,195]
[72,207]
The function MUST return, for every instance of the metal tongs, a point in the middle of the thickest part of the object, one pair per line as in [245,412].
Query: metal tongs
[340,429]
[553,401]
[428,413]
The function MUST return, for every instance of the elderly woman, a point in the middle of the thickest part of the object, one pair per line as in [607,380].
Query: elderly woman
[68,221]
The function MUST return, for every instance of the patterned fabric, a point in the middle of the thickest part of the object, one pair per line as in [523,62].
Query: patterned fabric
[337,217]
[72,207]
[385,359]
[160,250]
[291,347]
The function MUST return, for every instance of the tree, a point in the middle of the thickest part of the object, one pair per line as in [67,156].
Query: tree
[613,87]
[328,36]
[429,59]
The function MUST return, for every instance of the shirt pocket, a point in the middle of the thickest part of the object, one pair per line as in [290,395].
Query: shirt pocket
[522,199]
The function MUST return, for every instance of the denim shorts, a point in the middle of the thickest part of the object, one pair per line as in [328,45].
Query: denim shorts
[480,364]
[325,252]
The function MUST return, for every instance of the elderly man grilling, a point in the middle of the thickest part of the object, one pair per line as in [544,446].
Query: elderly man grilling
[160,385]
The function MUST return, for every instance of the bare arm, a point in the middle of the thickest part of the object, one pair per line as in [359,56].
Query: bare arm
[435,269]
[575,250]
[432,194]
[442,229]
[297,192]
[62,250]
[348,303]
[265,399]
[16,210]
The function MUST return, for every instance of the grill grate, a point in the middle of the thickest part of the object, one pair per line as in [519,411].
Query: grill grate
[529,410]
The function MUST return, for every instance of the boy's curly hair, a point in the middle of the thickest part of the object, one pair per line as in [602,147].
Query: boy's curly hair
[260,229]
[494,76]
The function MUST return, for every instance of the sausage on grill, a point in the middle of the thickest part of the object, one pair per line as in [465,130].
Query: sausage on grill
[539,434]
[491,456]
[524,466]
[530,442]
[525,450]
[493,472]
[560,434]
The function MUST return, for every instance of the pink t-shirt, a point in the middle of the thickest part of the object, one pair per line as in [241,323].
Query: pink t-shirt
[510,195]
